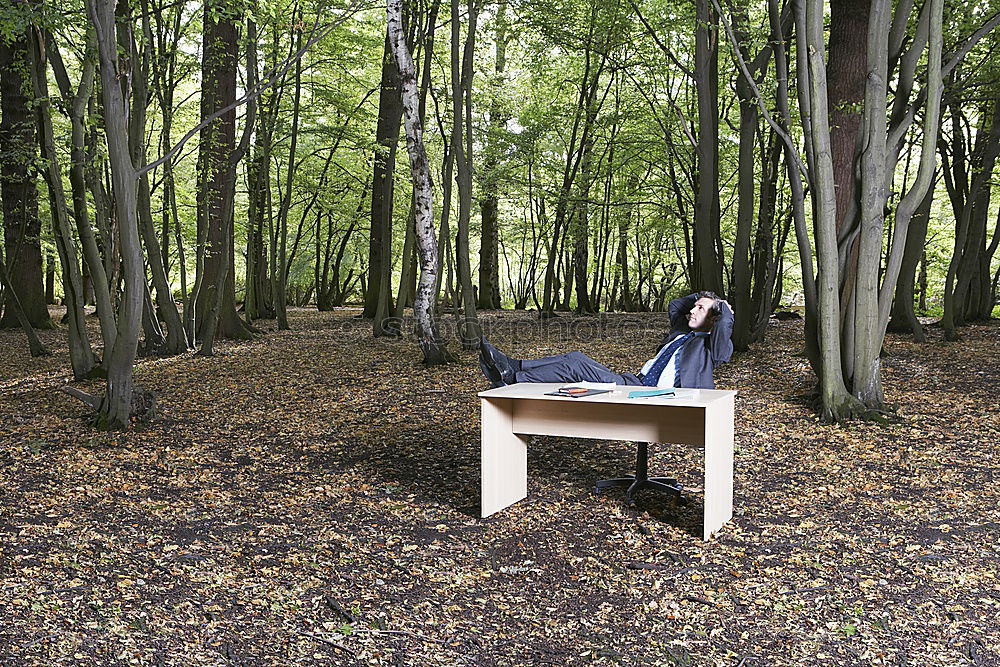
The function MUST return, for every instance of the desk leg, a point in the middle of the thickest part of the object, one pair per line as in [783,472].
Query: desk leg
[718,465]
[504,457]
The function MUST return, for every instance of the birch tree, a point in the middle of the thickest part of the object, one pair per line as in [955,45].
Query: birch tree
[423,196]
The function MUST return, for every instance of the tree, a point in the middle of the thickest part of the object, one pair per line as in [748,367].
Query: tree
[217,175]
[903,318]
[81,354]
[175,341]
[706,270]
[35,346]
[22,226]
[76,103]
[756,252]
[968,292]
[423,302]
[489,261]
[461,145]
[115,409]
[390,112]
[850,334]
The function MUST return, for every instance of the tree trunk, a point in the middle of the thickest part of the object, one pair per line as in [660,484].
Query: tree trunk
[793,159]
[175,341]
[580,218]
[390,112]
[865,374]
[973,275]
[407,271]
[216,144]
[258,303]
[966,178]
[846,70]
[81,354]
[115,408]
[707,265]
[461,81]
[35,346]
[489,258]
[903,319]
[77,105]
[284,262]
[769,242]
[22,226]
[740,287]
[423,195]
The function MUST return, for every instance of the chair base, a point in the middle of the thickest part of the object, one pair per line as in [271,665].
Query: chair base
[641,480]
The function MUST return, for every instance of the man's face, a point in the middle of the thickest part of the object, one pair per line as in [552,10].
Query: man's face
[698,318]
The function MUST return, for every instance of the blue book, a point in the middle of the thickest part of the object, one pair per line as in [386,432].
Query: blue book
[649,393]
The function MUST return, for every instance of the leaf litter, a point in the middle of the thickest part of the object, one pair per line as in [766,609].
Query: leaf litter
[311,497]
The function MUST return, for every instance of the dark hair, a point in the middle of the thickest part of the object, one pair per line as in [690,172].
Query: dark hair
[716,309]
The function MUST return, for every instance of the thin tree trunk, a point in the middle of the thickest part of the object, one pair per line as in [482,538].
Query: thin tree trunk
[423,196]
[284,263]
[461,79]
[971,276]
[81,354]
[77,105]
[35,346]
[740,285]
[866,376]
[175,341]
[903,319]
[707,266]
[489,262]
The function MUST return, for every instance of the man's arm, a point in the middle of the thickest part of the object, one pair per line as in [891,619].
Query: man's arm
[721,339]
[679,309]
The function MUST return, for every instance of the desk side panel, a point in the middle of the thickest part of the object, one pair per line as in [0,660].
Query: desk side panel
[718,465]
[503,457]
[611,421]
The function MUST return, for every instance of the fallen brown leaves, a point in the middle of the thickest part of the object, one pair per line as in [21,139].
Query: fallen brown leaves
[310,498]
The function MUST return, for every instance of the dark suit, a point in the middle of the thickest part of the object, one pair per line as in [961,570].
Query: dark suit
[702,353]
[571,367]
[698,358]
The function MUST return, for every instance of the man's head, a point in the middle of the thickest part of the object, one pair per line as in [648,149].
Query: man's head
[705,311]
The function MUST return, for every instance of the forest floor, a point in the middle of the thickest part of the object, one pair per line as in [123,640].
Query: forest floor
[310,498]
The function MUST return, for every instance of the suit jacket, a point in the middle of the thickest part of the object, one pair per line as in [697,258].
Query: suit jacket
[702,353]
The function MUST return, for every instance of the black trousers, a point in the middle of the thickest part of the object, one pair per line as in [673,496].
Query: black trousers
[571,367]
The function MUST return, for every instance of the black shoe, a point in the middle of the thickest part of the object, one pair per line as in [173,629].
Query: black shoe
[496,362]
[491,372]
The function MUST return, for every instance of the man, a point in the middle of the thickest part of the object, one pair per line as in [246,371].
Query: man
[700,337]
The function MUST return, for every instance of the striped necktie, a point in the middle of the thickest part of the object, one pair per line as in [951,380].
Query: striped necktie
[651,378]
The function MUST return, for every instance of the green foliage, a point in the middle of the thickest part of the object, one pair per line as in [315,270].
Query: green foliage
[643,174]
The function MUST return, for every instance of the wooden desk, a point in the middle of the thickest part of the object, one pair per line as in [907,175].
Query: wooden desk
[698,417]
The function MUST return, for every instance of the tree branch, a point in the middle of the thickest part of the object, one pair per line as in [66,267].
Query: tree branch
[663,47]
[970,42]
[744,69]
[89,399]
[257,90]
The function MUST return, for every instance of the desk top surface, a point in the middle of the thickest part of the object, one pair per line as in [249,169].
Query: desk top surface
[537,390]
